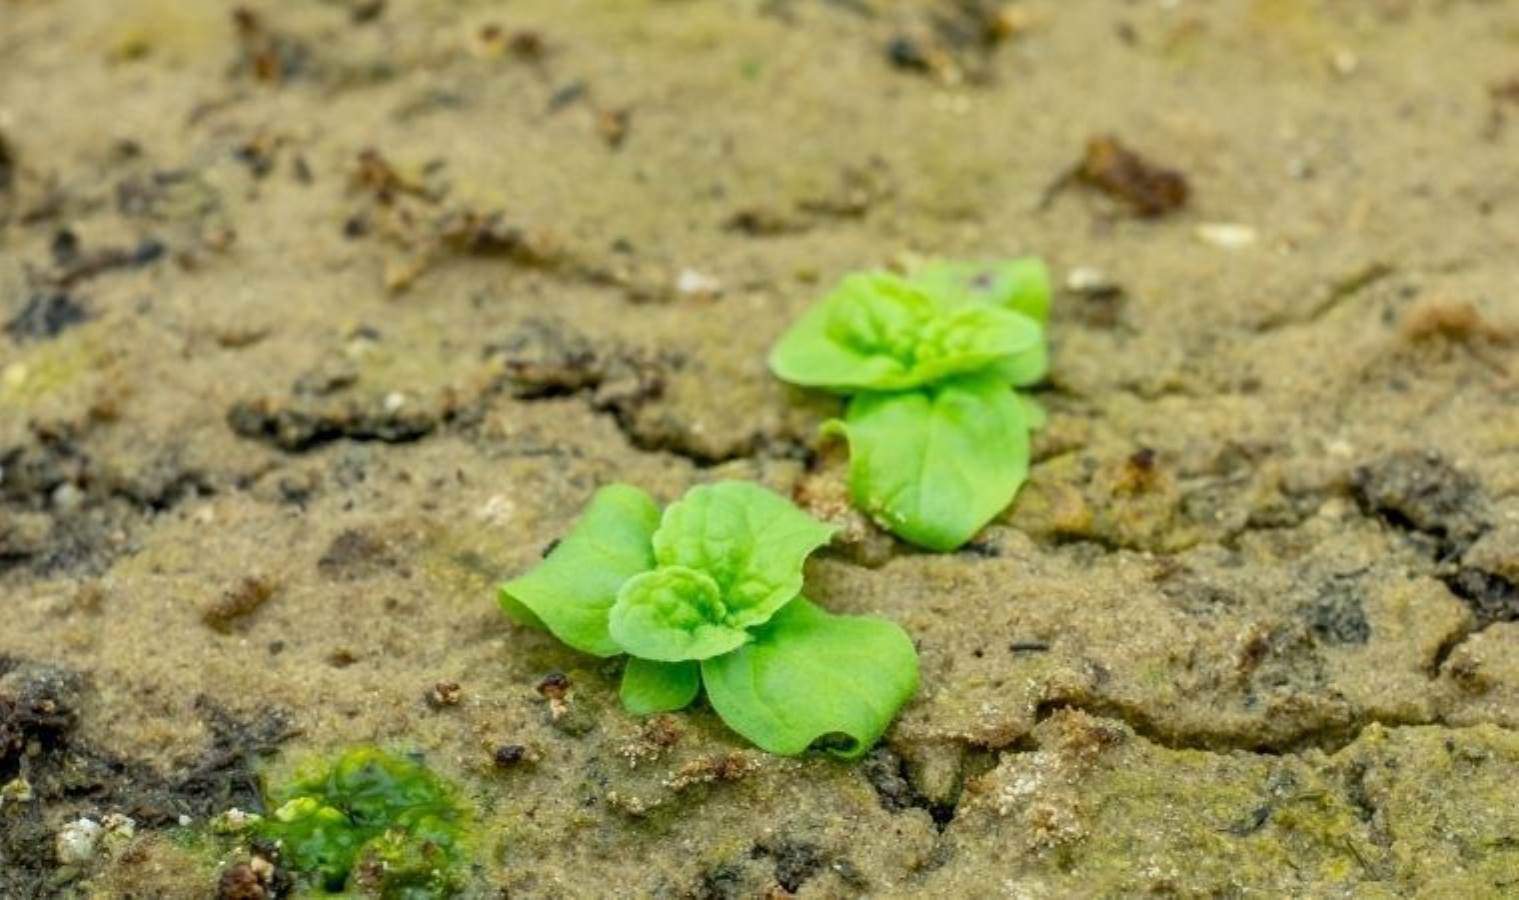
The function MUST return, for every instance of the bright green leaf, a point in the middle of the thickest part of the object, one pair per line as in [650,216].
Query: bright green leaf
[1025,368]
[937,464]
[860,335]
[673,613]
[571,592]
[1033,412]
[653,687]
[1021,285]
[751,541]
[809,676]
[878,332]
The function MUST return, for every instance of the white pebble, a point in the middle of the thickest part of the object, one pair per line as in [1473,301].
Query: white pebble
[75,843]
[1089,280]
[691,283]
[67,497]
[1228,235]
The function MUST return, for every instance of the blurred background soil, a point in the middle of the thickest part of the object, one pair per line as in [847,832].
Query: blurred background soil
[321,317]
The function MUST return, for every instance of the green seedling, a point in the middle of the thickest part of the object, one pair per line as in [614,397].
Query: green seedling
[372,824]
[709,594]
[938,434]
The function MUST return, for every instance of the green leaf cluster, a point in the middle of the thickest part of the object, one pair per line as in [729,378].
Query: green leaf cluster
[938,433]
[370,821]
[710,593]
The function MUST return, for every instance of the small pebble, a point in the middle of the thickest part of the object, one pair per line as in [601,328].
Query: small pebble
[554,686]
[1091,282]
[67,497]
[444,693]
[691,283]
[76,841]
[1228,235]
[508,755]
[233,821]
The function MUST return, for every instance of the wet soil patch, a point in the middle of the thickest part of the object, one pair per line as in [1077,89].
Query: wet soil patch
[40,707]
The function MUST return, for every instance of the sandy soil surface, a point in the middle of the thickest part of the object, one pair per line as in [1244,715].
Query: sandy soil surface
[321,317]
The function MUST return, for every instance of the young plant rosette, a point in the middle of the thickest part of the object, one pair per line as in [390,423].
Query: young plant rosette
[709,595]
[938,434]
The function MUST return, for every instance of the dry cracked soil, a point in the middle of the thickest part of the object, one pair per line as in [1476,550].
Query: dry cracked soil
[321,317]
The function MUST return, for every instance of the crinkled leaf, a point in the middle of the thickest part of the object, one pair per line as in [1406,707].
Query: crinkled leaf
[936,464]
[877,332]
[974,338]
[751,541]
[1021,285]
[809,676]
[653,687]
[571,592]
[861,335]
[673,613]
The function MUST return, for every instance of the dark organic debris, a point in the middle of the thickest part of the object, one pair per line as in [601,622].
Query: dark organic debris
[46,315]
[762,221]
[232,609]
[38,706]
[73,263]
[612,124]
[265,54]
[7,165]
[298,429]
[1490,596]
[955,40]
[1148,189]
[1337,615]
[508,756]
[1422,494]
[242,881]
[795,861]
[887,773]
[443,694]
[355,554]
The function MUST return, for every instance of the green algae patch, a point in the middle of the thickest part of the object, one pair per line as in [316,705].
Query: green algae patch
[371,823]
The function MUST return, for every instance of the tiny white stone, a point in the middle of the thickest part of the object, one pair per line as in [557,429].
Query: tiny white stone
[1089,280]
[185,821]
[75,843]
[692,283]
[67,497]
[394,401]
[1228,235]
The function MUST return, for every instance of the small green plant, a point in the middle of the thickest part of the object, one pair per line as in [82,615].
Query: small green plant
[938,436]
[709,594]
[370,823]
